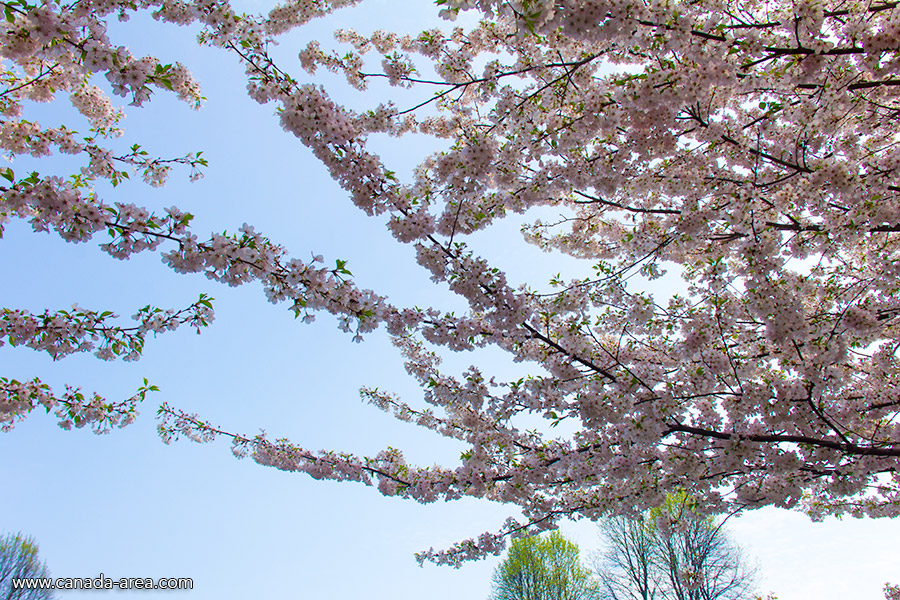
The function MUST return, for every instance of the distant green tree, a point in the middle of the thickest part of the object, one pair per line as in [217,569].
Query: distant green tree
[18,560]
[543,568]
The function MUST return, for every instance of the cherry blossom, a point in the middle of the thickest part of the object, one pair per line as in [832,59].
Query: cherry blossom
[749,148]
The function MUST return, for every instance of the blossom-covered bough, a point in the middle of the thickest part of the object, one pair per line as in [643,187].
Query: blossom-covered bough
[752,148]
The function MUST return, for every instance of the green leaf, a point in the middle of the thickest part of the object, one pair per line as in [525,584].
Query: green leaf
[342,267]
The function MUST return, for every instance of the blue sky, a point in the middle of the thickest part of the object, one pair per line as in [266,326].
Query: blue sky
[127,505]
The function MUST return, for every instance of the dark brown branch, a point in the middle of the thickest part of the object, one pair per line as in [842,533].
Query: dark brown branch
[872,84]
[597,369]
[844,447]
[595,200]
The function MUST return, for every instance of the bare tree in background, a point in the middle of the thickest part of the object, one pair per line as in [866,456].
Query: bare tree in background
[702,563]
[628,569]
[671,554]
[19,560]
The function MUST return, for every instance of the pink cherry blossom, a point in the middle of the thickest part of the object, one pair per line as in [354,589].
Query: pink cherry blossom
[750,148]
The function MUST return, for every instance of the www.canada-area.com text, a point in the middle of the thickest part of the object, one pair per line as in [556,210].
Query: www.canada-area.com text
[102,582]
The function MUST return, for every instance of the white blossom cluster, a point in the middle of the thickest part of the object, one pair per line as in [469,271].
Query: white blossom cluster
[65,332]
[752,146]
[72,408]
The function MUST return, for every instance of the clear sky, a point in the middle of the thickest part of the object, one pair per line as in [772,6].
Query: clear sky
[127,505]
